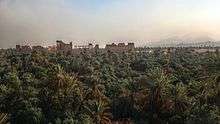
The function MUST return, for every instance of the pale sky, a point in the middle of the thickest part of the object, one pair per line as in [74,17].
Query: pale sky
[45,21]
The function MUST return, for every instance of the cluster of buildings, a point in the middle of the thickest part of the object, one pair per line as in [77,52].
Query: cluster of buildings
[121,47]
[69,48]
[62,47]
[27,48]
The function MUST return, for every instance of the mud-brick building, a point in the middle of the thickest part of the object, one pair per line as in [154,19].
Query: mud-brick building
[121,47]
[25,48]
[63,47]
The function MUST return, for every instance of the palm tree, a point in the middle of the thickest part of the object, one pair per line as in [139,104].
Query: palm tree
[181,103]
[159,102]
[99,112]
[122,106]
[181,100]
[158,105]
[98,104]
[3,118]
[62,94]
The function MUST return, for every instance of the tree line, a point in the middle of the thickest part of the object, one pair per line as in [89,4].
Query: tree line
[180,87]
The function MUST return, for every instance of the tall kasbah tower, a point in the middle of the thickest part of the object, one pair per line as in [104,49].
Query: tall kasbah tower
[71,45]
[130,46]
[59,45]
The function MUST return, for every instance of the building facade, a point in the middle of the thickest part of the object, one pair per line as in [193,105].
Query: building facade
[63,47]
[121,47]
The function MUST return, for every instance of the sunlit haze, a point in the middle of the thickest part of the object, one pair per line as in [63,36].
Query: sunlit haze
[103,21]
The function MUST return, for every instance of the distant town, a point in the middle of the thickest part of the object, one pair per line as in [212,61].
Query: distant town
[63,47]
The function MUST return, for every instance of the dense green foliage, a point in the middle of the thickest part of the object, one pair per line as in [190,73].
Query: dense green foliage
[180,87]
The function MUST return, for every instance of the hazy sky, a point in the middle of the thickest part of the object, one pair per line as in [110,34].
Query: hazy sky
[44,21]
